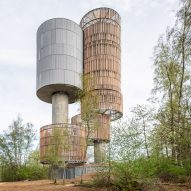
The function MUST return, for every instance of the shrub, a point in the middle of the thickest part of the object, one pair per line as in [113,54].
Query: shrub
[31,172]
[122,177]
[101,179]
[144,168]
[8,174]
[167,171]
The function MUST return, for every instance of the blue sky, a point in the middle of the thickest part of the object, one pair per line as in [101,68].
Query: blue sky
[143,21]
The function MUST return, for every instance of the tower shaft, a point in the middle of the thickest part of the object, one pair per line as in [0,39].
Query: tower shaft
[59,71]
[100,152]
[102,63]
[59,108]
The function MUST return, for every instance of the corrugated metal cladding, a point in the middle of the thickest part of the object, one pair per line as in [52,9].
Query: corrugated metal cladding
[59,58]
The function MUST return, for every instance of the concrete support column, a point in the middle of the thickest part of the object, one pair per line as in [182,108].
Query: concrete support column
[99,152]
[59,108]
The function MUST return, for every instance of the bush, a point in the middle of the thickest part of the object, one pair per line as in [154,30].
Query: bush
[187,167]
[142,173]
[143,168]
[163,168]
[101,179]
[122,177]
[8,174]
[34,172]
[167,171]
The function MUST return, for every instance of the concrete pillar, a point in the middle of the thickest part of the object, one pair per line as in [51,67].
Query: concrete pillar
[99,152]
[59,108]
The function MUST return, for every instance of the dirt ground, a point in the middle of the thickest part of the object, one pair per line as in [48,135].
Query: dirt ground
[42,185]
[176,187]
[47,185]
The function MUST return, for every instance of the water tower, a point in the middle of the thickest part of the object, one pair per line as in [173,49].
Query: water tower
[102,61]
[67,51]
[59,70]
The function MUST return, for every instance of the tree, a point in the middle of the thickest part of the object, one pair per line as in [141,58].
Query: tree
[15,145]
[34,157]
[131,137]
[172,58]
[89,101]
[143,115]
[58,144]
[125,140]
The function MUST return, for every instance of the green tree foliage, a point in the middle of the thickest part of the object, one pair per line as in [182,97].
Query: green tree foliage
[125,143]
[130,137]
[17,161]
[58,143]
[143,115]
[34,169]
[31,170]
[172,83]
[89,104]
[16,143]
[157,144]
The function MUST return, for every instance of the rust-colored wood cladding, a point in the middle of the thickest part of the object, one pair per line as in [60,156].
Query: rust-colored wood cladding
[109,101]
[102,58]
[76,120]
[74,142]
[101,44]
[100,15]
[99,127]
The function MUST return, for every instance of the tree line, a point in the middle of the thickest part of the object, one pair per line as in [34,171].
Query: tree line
[156,141]
[18,158]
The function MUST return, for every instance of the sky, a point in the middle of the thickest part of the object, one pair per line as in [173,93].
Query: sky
[143,21]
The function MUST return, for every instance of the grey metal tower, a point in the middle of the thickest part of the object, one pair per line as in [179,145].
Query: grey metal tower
[59,70]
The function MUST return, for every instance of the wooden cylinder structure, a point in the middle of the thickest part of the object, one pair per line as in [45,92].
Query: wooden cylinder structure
[76,120]
[99,127]
[102,59]
[65,141]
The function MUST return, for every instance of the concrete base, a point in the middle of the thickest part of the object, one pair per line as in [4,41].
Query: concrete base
[59,108]
[100,152]
[76,171]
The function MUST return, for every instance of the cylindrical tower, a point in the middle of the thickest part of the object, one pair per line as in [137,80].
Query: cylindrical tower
[99,127]
[102,64]
[59,59]
[102,58]
[59,70]
[73,144]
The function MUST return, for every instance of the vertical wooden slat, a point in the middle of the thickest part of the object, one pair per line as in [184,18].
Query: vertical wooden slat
[75,133]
